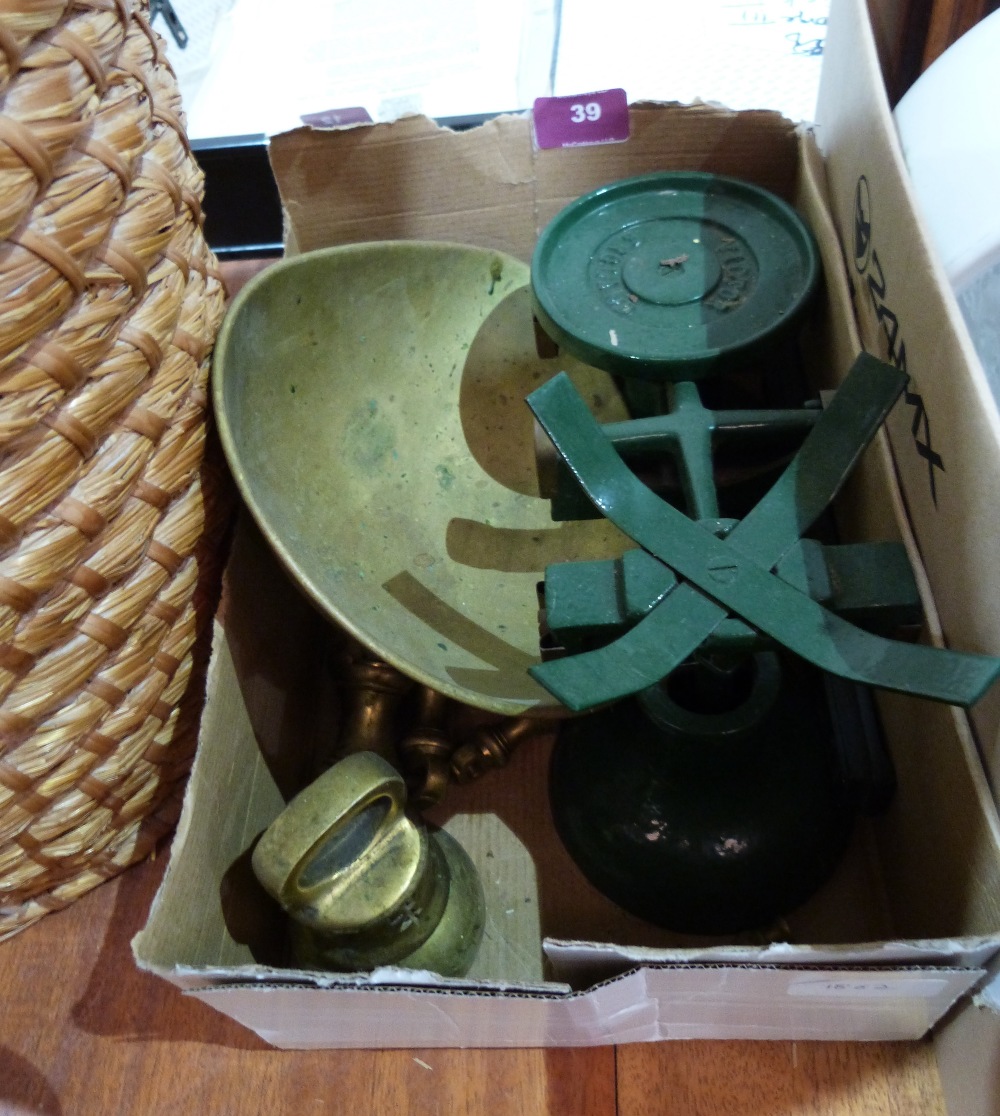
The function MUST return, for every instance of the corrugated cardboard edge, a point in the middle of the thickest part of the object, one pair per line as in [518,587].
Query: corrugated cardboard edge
[894,265]
[492,175]
[949,410]
[645,1005]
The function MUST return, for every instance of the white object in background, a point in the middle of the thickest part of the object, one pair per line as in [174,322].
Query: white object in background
[949,129]
[744,55]
[271,63]
[191,63]
[255,66]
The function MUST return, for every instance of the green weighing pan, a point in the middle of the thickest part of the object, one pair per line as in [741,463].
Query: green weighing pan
[673,276]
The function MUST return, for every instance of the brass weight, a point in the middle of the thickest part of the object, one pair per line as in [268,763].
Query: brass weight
[364,885]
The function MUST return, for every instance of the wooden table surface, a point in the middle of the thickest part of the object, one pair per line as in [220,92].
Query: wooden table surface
[83,1032]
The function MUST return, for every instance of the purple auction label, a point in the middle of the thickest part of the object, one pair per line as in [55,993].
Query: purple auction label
[337,118]
[576,121]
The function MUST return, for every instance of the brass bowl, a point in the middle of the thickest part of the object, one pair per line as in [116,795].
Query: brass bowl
[370,400]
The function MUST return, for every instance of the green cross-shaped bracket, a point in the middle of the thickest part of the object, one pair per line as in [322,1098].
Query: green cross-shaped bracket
[734,574]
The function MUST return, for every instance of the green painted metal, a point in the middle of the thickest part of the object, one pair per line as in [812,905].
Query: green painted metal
[706,823]
[870,584]
[688,433]
[669,276]
[735,574]
[873,585]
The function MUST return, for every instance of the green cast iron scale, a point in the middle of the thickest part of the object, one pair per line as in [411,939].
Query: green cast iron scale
[720,794]
[673,277]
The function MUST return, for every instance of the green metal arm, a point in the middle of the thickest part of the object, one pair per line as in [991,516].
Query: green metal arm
[734,574]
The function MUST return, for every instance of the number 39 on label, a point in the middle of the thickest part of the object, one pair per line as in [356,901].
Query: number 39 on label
[579,113]
[587,118]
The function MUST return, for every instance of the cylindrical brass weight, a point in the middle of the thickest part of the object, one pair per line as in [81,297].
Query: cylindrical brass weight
[364,885]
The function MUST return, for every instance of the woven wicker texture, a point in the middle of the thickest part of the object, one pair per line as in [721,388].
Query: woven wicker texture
[109,304]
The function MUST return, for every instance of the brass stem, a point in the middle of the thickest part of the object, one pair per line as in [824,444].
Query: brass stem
[425,752]
[373,690]
[491,746]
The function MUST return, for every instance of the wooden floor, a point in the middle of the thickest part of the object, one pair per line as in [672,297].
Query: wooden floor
[83,1033]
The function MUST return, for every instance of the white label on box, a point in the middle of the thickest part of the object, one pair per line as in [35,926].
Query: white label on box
[875,987]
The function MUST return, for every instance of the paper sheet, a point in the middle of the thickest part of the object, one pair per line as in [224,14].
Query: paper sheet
[755,54]
[272,63]
[253,66]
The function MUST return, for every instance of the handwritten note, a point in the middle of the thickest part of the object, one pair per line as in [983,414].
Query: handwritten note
[801,24]
[755,54]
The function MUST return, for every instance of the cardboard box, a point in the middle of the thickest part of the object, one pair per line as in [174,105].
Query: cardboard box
[911,920]
[946,436]
[945,439]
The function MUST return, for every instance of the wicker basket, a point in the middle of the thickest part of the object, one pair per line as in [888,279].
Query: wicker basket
[109,304]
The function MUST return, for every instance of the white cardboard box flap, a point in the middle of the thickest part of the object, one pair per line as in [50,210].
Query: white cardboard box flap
[946,434]
[685,1002]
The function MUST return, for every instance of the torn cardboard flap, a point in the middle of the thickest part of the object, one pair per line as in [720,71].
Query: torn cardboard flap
[416,180]
[411,179]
